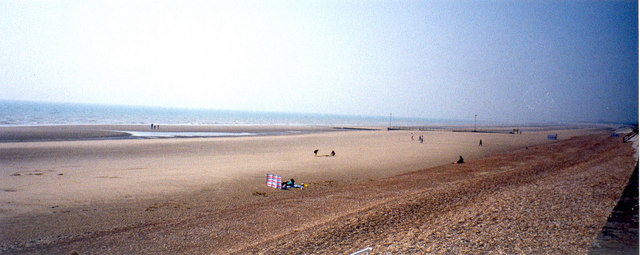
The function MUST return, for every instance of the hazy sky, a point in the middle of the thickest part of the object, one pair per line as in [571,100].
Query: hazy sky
[508,61]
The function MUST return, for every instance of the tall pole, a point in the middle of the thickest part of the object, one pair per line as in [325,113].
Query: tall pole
[389,120]
[475,116]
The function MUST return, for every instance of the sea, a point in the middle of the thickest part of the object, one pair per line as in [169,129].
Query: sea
[26,113]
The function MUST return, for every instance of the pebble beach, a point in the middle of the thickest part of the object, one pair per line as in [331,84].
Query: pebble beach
[515,194]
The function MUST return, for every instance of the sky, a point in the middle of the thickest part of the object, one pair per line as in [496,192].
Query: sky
[504,61]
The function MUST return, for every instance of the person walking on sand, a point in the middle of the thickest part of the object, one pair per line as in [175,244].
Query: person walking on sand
[333,153]
[315,152]
[480,143]
[412,137]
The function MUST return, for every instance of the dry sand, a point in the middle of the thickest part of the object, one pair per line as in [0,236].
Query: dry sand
[95,195]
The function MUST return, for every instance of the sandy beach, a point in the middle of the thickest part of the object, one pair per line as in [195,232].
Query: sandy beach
[87,193]
[409,127]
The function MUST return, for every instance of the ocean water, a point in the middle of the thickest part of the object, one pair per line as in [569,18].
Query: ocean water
[23,113]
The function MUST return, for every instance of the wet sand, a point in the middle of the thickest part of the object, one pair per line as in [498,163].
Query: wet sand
[110,132]
[80,192]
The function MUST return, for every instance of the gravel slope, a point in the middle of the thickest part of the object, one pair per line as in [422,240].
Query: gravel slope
[550,199]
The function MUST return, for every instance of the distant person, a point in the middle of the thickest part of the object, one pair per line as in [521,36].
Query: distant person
[421,139]
[460,161]
[333,153]
[152,126]
[480,143]
[412,137]
[315,152]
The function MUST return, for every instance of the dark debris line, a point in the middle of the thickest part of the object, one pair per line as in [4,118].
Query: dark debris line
[620,234]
